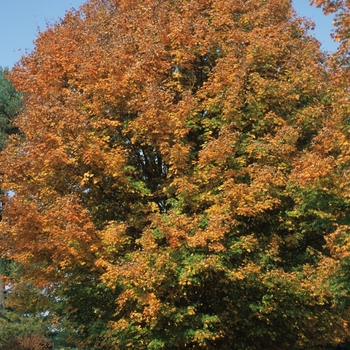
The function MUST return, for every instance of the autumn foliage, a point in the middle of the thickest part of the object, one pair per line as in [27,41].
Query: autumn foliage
[35,342]
[182,177]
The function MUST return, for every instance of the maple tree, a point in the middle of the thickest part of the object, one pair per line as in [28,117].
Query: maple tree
[180,179]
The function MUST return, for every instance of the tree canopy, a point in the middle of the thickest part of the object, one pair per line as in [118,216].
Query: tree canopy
[183,177]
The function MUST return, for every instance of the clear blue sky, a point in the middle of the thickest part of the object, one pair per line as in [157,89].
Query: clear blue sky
[20,20]
[19,23]
[323,23]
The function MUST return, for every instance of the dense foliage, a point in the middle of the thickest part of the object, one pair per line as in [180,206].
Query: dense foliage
[10,106]
[183,177]
[13,325]
[35,342]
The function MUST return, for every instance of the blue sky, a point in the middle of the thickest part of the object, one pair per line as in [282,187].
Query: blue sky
[19,23]
[323,23]
[20,20]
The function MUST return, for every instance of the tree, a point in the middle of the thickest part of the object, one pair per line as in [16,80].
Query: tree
[10,106]
[13,324]
[339,126]
[35,342]
[178,181]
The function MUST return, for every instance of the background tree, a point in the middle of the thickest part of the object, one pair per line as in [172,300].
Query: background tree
[34,342]
[178,180]
[14,324]
[10,106]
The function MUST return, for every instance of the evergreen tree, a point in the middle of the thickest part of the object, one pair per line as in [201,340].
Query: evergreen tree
[10,106]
